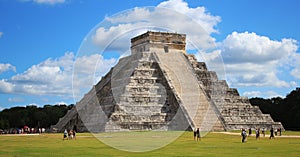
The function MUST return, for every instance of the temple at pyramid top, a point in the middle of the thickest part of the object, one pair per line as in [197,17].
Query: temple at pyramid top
[161,87]
[163,40]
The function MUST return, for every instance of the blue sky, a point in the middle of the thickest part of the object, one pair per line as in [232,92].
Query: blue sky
[39,41]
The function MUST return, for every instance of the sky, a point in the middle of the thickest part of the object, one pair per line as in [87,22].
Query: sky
[42,41]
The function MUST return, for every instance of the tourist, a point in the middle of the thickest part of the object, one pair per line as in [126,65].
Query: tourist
[272,133]
[70,134]
[195,134]
[244,135]
[250,131]
[75,128]
[74,134]
[43,130]
[257,133]
[279,130]
[198,135]
[263,131]
[65,134]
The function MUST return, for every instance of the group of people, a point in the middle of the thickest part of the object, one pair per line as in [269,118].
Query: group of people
[69,135]
[273,132]
[197,136]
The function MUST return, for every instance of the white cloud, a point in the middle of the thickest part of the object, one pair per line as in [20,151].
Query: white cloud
[16,99]
[252,94]
[6,87]
[88,71]
[199,14]
[54,76]
[1,34]
[296,71]
[61,103]
[250,47]
[172,15]
[254,60]
[6,67]
[273,94]
[49,1]
[267,94]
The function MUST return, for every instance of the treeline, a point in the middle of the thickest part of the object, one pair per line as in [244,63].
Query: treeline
[32,116]
[284,110]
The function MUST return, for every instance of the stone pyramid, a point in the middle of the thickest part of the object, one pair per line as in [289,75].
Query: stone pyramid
[160,87]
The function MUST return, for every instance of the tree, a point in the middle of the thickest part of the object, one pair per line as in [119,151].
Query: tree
[32,116]
[286,110]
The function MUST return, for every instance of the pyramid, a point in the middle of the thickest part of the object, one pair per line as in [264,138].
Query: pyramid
[161,87]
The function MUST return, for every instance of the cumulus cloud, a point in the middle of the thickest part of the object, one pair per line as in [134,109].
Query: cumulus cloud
[61,103]
[48,77]
[252,94]
[198,14]
[197,23]
[6,67]
[88,71]
[246,47]
[267,94]
[254,60]
[54,76]
[296,71]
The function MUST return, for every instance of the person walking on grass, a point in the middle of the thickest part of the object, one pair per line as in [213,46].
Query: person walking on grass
[74,134]
[279,130]
[70,134]
[195,134]
[244,135]
[250,131]
[65,134]
[257,134]
[263,131]
[198,135]
[272,133]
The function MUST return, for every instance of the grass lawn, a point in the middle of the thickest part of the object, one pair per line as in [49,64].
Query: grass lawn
[213,144]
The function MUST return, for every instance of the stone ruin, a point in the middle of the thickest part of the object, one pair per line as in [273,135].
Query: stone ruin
[161,87]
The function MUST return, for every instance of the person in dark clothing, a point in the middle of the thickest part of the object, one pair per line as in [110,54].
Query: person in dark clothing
[198,135]
[279,130]
[272,133]
[75,128]
[74,134]
[250,131]
[195,134]
[257,133]
[244,135]
[263,131]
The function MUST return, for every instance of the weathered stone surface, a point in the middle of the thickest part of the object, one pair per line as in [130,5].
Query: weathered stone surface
[160,87]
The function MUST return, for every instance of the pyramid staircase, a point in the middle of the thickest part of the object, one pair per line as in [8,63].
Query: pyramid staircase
[160,87]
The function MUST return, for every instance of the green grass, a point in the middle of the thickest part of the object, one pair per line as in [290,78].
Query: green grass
[213,144]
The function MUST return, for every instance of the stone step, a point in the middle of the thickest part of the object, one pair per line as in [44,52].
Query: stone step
[185,83]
